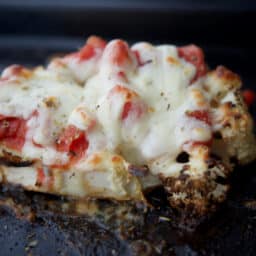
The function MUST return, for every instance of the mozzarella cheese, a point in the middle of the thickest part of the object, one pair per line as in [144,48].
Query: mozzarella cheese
[161,85]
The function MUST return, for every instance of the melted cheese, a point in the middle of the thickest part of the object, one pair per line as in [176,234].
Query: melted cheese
[155,126]
[51,100]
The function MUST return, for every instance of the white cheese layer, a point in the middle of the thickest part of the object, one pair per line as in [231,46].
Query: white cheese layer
[163,86]
[46,104]
[138,111]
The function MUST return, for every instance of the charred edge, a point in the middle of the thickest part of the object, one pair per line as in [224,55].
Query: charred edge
[225,73]
[183,157]
[193,198]
[215,157]
[15,162]
[234,160]
[221,180]
[9,159]
[217,135]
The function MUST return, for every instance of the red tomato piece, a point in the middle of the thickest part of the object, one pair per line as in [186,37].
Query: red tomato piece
[119,53]
[86,52]
[249,97]
[37,144]
[133,108]
[139,61]
[132,103]
[40,176]
[202,115]
[122,75]
[195,56]
[15,71]
[73,141]
[13,132]
[96,42]
[45,177]
[125,92]
[126,110]
[189,145]
[3,79]
[202,143]
[137,55]
[2,117]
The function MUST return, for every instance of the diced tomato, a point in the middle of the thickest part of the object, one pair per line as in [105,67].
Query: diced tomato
[133,108]
[119,89]
[202,143]
[45,177]
[138,58]
[86,52]
[126,110]
[40,176]
[79,146]
[37,144]
[202,115]
[74,142]
[13,132]
[3,79]
[122,91]
[122,75]
[89,49]
[15,71]
[137,55]
[249,97]
[119,53]
[195,56]
[2,117]
[132,103]
[96,42]
[190,145]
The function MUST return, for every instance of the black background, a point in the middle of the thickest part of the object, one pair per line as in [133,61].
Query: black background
[229,23]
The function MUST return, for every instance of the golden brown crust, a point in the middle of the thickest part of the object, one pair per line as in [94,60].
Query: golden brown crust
[227,76]
[224,79]
[230,116]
